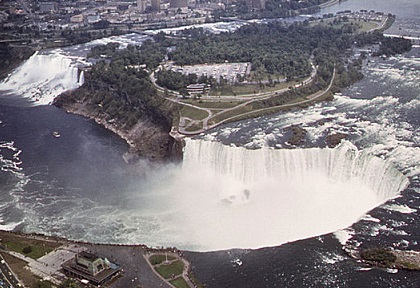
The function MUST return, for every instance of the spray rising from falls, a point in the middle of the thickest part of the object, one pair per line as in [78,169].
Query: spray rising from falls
[43,77]
[254,198]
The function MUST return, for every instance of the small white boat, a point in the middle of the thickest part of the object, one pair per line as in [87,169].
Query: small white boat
[56,134]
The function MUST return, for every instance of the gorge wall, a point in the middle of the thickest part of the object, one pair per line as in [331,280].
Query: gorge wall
[148,137]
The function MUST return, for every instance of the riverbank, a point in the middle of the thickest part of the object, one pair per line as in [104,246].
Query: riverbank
[133,259]
[147,139]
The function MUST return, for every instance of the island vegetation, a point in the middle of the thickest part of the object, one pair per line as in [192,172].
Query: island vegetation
[391,258]
[290,62]
[118,94]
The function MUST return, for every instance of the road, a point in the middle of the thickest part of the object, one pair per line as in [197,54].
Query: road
[206,127]
[7,278]
[185,123]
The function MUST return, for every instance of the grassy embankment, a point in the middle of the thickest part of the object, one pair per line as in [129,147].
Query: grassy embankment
[18,243]
[172,268]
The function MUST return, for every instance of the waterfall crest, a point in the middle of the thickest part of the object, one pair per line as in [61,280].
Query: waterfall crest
[43,77]
[338,164]
[231,197]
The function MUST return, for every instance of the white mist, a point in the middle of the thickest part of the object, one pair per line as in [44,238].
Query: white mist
[229,197]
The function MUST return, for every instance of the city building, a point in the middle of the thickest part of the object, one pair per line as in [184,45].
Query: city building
[77,18]
[90,267]
[178,3]
[255,5]
[155,5]
[141,5]
[47,7]
[198,89]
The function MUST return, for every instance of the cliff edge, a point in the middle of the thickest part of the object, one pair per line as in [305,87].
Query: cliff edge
[125,103]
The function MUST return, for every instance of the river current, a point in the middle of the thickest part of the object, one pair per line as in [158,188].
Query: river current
[78,185]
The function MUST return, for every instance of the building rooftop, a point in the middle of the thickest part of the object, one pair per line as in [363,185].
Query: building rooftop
[91,267]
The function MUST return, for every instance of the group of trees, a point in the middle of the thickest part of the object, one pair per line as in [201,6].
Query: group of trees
[125,94]
[119,85]
[150,53]
[273,48]
[12,56]
[120,89]
[393,45]
[276,49]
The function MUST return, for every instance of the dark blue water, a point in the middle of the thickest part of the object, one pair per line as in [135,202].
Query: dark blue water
[77,162]
[79,186]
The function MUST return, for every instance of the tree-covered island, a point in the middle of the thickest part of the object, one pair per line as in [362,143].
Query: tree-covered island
[135,90]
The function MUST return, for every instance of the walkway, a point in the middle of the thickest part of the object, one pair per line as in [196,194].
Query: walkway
[206,126]
[48,267]
[185,122]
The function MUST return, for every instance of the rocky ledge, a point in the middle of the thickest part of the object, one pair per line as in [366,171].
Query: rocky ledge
[147,138]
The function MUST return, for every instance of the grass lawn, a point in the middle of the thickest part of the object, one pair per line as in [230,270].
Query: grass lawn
[157,259]
[179,283]
[175,268]
[18,267]
[37,251]
[249,89]
[231,113]
[218,104]
[193,113]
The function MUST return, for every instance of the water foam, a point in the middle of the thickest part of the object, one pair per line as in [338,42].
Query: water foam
[11,176]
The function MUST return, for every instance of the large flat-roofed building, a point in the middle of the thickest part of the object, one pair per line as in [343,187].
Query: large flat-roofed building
[178,3]
[155,5]
[198,89]
[91,267]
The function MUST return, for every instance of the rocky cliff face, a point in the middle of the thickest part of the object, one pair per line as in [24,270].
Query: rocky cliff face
[148,137]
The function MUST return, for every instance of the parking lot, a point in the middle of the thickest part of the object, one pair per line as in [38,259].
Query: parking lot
[229,71]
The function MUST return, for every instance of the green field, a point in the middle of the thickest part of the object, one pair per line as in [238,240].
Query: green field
[158,259]
[36,251]
[173,269]
[193,113]
[180,283]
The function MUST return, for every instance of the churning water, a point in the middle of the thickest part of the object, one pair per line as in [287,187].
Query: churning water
[223,195]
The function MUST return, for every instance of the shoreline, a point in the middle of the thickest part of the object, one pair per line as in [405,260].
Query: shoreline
[329,4]
[132,258]
[142,138]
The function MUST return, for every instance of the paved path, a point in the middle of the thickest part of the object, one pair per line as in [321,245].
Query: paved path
[40,269]
[206,127]
[185,123]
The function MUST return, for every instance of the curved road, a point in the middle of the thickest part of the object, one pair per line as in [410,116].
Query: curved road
[206,127]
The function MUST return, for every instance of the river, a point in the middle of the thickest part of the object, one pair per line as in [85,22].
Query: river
[78,185]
